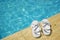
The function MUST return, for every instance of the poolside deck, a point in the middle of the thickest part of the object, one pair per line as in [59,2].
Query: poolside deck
[27,35]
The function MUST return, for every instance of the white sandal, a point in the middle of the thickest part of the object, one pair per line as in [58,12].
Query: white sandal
[46,27]
[35,29]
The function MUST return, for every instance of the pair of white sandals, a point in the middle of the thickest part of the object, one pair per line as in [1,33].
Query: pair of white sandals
[36,29]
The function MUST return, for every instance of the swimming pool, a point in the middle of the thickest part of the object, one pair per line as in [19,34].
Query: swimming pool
[16,15]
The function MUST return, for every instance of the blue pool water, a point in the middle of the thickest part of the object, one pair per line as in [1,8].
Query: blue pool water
[15,15]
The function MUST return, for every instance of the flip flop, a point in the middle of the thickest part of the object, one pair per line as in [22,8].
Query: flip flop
[46,27]
[36,29]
